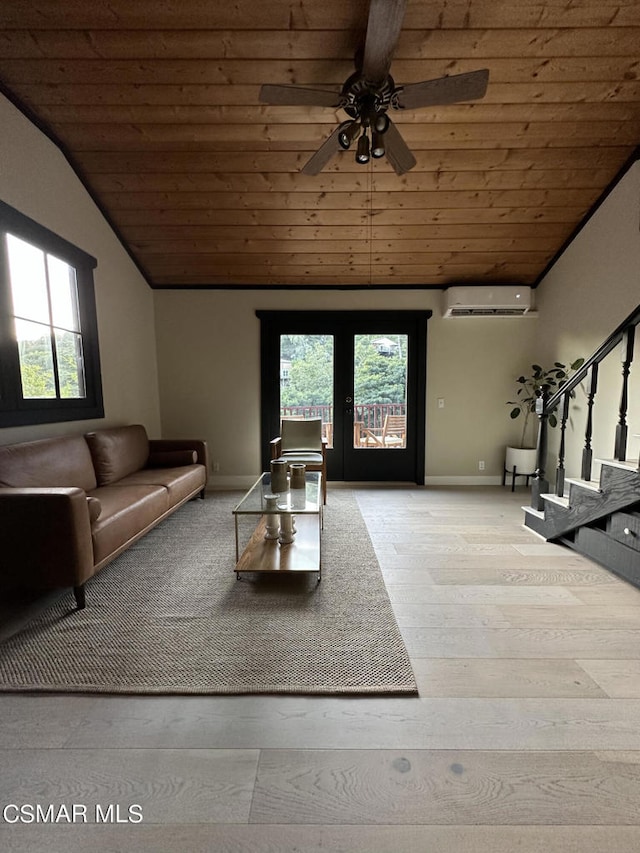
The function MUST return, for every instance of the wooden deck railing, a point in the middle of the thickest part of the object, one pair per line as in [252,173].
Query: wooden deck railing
[369,415]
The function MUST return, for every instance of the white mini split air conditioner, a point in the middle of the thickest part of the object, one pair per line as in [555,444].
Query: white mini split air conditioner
[487,301]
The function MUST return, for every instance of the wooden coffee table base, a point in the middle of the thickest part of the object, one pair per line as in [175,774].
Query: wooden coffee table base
[267,555]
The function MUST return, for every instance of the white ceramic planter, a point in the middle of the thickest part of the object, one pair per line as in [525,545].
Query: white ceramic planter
[522,458]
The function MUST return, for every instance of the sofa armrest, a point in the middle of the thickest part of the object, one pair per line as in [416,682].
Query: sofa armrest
[276,447]
[45,537]
[162,445]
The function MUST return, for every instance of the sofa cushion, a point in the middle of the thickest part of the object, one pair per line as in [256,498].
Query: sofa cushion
[126,513]
[118,451]
[179,482]
[49,462]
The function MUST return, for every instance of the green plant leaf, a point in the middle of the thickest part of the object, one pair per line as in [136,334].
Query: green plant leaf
[541,381]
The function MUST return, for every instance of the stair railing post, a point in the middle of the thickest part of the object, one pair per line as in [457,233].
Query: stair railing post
[561,453]
[620,450]
[587,453]
[540,485]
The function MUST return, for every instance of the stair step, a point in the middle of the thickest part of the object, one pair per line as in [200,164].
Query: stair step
[535,521]
[554,499]
[538,513]
[628,465]
[592,485]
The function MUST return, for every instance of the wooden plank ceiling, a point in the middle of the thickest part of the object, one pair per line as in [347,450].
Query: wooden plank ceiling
[156,104]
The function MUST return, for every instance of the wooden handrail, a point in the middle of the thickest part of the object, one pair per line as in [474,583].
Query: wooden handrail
[599,355]
[547,404]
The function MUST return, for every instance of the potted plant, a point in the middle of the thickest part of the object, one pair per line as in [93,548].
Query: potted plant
[523,456]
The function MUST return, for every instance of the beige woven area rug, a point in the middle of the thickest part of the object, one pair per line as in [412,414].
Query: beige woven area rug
[169,616]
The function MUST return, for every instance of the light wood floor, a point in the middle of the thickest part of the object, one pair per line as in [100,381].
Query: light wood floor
[525,736]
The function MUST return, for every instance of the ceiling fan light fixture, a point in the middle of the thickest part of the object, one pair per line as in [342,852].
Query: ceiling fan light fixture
[362,152]
[348,132]
[381,123]
[377,145]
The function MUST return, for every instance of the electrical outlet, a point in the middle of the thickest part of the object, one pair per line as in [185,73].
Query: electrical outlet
[215,467]
[441,402]
[481,465]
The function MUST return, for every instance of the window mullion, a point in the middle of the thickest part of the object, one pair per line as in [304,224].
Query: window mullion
[52,334]
[10,384]
[54,355]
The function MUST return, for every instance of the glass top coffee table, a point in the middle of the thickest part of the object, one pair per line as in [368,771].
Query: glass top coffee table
[287,536]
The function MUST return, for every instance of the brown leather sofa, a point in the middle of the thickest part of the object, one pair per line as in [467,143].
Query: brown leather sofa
[70,505]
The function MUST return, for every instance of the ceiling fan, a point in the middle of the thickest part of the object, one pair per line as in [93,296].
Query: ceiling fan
[370,92]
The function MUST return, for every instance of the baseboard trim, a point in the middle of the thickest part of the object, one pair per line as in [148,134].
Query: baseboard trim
[228,482]
[231,482]
[463,481]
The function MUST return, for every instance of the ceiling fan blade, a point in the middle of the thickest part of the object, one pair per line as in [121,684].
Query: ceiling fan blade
[444,90]
[397,151]
[299,96]
[383,30]
[319,160]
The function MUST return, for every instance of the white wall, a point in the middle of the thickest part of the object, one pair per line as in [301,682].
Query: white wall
[37,180]
[593,286]
[209,367]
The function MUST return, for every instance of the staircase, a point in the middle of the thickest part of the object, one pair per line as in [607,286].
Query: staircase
[600,517]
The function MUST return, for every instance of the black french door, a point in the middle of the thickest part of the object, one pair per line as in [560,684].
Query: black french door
[363,373]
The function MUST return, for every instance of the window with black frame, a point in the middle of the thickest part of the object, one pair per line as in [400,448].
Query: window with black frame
[49,355]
